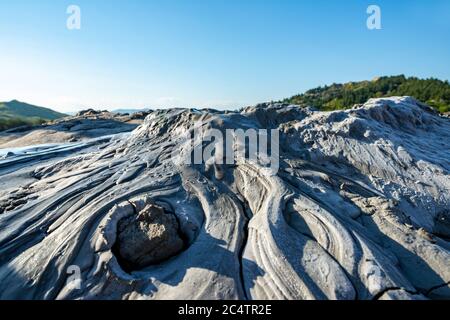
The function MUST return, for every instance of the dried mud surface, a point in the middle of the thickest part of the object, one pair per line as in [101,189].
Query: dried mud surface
[359,209]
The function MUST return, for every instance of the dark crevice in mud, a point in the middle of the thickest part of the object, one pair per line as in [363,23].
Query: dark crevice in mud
[133,206]
[247,217]
[441,237]
[429,291]
[381,293]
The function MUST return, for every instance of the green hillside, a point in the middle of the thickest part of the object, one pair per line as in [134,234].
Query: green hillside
[434,92]
[15,113]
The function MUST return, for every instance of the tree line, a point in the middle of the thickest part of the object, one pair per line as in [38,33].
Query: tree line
[433,92]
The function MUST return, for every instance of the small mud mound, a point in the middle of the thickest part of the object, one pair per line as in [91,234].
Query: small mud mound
[147,238]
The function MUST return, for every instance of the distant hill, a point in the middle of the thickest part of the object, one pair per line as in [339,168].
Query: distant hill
[434,92]
[16,113]
[129,111]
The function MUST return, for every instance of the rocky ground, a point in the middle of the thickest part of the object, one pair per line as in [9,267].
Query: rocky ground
[359,209]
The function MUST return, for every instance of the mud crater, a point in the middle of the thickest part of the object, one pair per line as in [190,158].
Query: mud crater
[148,237]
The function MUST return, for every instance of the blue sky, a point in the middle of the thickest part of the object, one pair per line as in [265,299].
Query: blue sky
[210,53]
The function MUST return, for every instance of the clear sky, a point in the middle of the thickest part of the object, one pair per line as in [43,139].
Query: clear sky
[210,53]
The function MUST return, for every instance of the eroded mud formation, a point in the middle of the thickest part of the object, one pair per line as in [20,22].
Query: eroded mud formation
[359,209]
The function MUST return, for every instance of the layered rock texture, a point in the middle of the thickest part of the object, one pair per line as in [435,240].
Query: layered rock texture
[359,209]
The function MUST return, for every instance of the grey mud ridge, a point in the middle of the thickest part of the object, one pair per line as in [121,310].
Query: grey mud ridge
[359,209]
